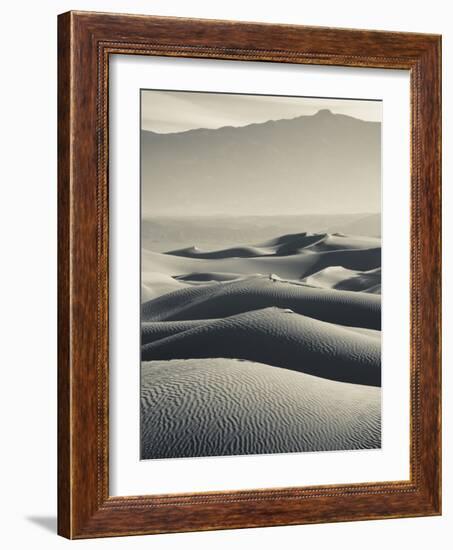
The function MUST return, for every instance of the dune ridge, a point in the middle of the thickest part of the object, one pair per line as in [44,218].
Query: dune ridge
[157,330]
[286,245]
[208,276]
[341,278]
[296,266]
[239,296]
[281,337]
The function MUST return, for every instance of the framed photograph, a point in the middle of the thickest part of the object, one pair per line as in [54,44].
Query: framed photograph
[249,275]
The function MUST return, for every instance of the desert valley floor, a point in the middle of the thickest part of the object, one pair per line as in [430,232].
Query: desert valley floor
[264,347]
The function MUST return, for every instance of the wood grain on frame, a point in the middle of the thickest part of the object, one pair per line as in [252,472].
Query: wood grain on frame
[85,41]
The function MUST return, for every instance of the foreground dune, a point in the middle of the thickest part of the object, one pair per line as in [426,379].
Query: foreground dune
[218,407]
[275,336]
[229,298]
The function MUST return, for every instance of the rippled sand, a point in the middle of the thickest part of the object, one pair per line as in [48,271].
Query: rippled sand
[268,347]
[217,407]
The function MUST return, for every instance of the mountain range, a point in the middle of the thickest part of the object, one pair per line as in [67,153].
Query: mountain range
[325,163]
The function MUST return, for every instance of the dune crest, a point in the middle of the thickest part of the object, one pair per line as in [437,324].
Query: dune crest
[286,245]
[294,266]
[251,293]
[340,278]
[282,338]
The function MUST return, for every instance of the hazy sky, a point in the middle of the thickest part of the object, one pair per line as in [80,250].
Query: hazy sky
[168,112]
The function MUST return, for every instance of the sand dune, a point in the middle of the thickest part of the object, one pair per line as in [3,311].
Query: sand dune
[296,266]
[376,289]
[229,298]
[366,331]
[316,242]
[218,407]
[292,242]
[347,279]
[209,276]
[155,284]
[262,348]
[286,245]
[281,338]
[155,330]
[338,241]
[236,252]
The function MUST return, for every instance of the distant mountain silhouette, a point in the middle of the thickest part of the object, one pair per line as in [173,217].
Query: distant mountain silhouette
[324,163]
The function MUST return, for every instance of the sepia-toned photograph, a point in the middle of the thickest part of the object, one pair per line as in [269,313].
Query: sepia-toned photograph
[234,199]
[260,274]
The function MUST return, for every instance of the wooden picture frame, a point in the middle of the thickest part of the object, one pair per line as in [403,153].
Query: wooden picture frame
[85,42]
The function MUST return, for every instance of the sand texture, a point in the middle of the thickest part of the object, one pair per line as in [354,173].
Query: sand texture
[271,346]
[281,337]
[215,407]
